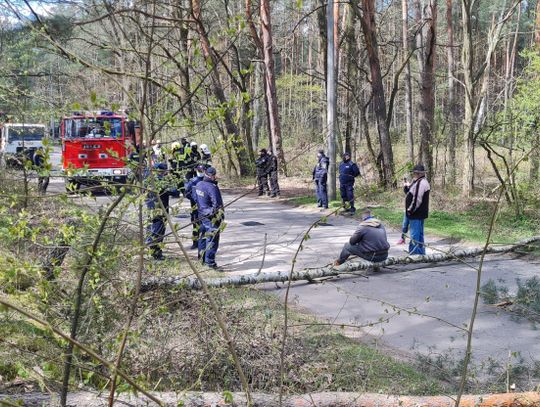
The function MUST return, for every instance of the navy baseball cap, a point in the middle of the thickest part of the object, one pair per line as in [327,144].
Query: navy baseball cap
[160,166]
[211,171]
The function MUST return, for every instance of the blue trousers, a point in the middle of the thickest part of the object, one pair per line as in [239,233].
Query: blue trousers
[347,194]
[208,242]
[405,226]
[195,223]
[322,193]
[350,250]
[155,234]
[416,245]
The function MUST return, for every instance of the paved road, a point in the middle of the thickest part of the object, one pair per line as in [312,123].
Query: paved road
[444,292]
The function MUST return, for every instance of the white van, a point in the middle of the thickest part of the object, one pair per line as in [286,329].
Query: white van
[18,140]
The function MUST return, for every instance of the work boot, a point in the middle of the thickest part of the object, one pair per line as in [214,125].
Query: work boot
[273,196]
[194,246]
[260,194]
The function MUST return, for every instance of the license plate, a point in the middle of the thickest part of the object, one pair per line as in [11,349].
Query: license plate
[91,146]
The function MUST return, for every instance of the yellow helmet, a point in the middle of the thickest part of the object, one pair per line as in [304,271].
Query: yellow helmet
[175,146]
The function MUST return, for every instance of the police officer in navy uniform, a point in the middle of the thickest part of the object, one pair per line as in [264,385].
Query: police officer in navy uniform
[348,171]
[211,215]
[263,168]
[199,176]
[157,226]
[320,176]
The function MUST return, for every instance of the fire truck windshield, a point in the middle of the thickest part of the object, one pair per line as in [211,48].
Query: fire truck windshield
[93,127]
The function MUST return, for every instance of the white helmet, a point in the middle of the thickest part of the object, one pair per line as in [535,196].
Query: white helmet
[205,149]
[193,144]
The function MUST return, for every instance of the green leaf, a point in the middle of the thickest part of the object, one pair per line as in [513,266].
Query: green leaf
[228,397]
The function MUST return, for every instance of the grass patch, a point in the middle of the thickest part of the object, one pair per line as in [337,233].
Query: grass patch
[318,357]
[469,224]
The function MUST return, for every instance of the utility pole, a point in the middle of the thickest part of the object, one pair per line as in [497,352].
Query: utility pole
[331,98]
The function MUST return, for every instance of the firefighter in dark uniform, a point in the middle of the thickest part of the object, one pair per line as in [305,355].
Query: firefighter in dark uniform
[157,225]
[320,176]
[199,176]
[180,161]
[263,165]
[206,156]
[211,214]
[273,175]
[348,171]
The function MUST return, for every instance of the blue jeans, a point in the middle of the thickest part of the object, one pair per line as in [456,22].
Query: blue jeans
[405,226]
[347,194]
[322,193]
[416,245]
[208,242]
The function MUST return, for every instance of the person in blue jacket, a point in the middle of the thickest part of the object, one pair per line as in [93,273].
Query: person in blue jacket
[211,215]
[348,171]
[157,226]
[320,176]
[199,176]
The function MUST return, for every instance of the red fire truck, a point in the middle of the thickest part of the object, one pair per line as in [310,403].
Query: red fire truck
[95,148]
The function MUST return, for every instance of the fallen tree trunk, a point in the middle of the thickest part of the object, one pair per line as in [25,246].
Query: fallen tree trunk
[326,399]
[350,267]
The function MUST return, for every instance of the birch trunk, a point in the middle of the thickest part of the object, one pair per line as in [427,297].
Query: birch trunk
[351,267]
[469,90]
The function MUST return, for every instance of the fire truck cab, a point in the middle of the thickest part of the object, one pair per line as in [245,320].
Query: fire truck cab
[95,148]
[19,141]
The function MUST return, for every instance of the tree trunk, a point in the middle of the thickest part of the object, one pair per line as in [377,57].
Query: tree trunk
[469,90]
[408,87]
[273,111]
[427,93]
[476,99]
[331,99]
[352,73]
[231,129]
[350,267]
[258,92]
[451,101]
[369,28]
[322,399]
[535,159]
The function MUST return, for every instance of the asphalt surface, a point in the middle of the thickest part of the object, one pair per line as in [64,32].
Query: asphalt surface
[411,309]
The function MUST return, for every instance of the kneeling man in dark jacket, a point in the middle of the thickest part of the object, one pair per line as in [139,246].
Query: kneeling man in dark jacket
[368,241]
